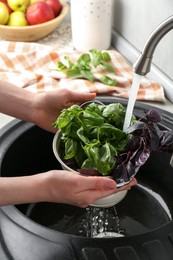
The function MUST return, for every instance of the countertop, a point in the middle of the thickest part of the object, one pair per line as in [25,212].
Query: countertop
[61,38]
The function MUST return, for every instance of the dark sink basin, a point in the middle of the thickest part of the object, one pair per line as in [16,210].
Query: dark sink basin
[58,231]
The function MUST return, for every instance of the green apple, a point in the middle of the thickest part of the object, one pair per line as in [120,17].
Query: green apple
[17,18]
[18,5]
[4,14]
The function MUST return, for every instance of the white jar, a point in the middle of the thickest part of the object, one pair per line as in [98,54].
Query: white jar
[91,24]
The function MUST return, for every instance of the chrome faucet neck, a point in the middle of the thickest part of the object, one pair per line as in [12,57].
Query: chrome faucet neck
[143,63]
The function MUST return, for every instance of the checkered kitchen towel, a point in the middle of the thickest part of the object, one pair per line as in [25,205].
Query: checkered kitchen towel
[33,66]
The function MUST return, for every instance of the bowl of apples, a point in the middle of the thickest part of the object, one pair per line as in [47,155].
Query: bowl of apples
[30,20]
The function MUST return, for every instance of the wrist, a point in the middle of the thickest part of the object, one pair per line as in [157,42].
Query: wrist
[25,189]
[16,101]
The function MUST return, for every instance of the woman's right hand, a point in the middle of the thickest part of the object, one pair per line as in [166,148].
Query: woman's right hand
[57,186]
[70,188]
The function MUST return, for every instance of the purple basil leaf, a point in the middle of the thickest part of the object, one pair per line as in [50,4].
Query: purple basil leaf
[154,116]
[166,141]
[141,157]
[154,140]
[120,174]
[133,143]
[88,172]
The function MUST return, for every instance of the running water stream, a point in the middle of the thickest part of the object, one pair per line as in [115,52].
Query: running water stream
[101,223]
[97,219]
[132,99]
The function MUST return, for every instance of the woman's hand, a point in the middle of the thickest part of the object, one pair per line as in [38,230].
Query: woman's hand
[39,108]
[48,105]
[70,188]
[57,186]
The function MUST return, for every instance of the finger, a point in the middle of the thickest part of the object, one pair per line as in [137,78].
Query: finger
[103,183]
[97,183]
[128,186]
[81,97]
[89,197]
[95,194]
[98,187]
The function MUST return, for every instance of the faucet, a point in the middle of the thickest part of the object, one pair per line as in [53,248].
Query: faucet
[143,63]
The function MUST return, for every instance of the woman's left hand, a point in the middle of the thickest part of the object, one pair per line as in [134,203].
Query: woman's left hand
[48,105]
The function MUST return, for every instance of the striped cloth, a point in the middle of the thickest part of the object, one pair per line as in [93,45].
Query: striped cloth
[33,66]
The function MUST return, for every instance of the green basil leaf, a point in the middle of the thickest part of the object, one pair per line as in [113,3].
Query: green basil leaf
[88,164]
[70,148]
[96,57]
[87,74]
[82,136]
[106,57]
[80,156]
[84,59]
[94,118]
[74,73]
[67,116]
[69,63]
[107,80]
[103,167]
[114,114]
[108,66]
[61,67]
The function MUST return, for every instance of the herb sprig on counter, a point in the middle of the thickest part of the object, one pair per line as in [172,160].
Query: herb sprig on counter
[83,68]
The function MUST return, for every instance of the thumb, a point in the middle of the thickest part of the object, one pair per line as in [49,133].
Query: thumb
[99,183]
[81,97]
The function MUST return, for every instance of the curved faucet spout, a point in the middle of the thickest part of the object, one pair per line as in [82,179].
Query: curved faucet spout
[143,63]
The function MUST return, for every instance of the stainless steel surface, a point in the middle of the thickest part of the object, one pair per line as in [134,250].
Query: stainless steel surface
[143,63]
[83,105]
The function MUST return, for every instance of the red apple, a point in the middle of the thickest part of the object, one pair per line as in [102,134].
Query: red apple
[9,9]
[56,6]
[39,12]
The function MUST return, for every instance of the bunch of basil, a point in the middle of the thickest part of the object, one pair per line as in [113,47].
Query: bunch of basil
[83,67]
[95,144]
